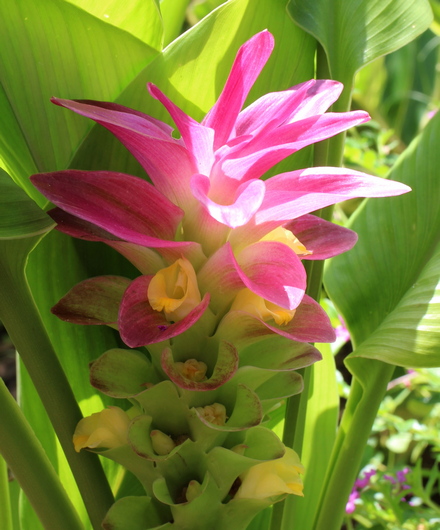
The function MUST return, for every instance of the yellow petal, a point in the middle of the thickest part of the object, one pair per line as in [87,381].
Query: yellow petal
[275,477]
[282,235]
[174,290]
[250,302]
[106,429]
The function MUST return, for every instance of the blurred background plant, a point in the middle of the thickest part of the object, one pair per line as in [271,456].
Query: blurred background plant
[399,483]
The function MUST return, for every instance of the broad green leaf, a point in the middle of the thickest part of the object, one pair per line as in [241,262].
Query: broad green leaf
[319,436]
[21,319]
[53,267]
[193,69]
[354,32]
[387,287]
[200,9]
[52,48]
[173,16]
[411,74]
[141,18]
[435,6]
[19,215]
[5,497]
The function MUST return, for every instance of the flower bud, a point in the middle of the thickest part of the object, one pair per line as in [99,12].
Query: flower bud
[215,413]
[106,429]
[271,478]
[253,304]
[193,490]
[174,290]
[192,369]
[162,443]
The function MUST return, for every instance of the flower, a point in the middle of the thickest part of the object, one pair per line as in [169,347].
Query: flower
[215,413]
[174,290]
[351,503]
[192,369]
[107,429]
[359,485]
[275,477]
[208,210]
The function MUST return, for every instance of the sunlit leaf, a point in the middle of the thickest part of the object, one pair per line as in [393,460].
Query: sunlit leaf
[53,48]
[354,32]
[319,436]
[193,69]
[141,18]
[173,16]
[387,287]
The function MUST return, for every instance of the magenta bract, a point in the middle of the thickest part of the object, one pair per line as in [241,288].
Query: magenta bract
[207,203]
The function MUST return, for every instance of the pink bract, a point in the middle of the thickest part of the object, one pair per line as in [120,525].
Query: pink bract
[207,202]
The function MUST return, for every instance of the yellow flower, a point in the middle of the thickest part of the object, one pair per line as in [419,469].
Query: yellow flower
[192,370]
[215,413]
[271,478]
[253,304]
[174,290]
[106,429]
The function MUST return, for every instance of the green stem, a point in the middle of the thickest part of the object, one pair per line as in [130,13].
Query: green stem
[31,467]
[22,320]
[5,500]
[362,406]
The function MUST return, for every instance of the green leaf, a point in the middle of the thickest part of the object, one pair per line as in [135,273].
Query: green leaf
[319,436]
[5,497]
[411,74]
[354,32]
[387,287]
[33,470]
[193,69]
[173,16]
[19,215]
[131,513]
[76,346]
[140,18]
[53,48]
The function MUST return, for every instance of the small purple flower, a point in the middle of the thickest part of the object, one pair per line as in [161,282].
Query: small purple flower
[398,483]
[360,484]
[342,331]
[401,475]
[351,504]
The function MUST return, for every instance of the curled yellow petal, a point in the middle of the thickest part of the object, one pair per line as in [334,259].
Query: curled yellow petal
[174,290]
[282,235]
[250,302]
[106,429]
[275,477]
